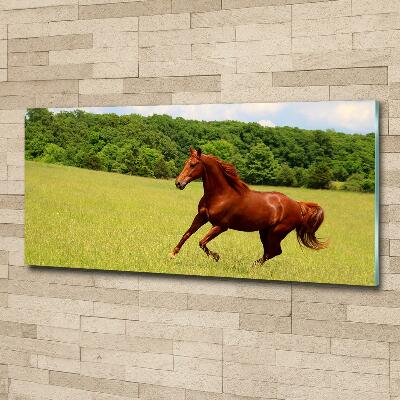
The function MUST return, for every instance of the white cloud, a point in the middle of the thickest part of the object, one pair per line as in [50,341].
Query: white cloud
[355,113]
[356,116]
[261,108]
[267,123]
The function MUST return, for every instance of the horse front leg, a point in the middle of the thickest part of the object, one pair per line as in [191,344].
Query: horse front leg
[212,234]
[199,220]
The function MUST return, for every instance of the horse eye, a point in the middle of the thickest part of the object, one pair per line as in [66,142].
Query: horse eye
[192,165]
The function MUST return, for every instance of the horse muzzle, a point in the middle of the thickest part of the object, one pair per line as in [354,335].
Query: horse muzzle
[180,185]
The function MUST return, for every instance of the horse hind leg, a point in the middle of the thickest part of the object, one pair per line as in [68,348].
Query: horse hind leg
[211,234]
[275,238]
[263,237]
[271,240]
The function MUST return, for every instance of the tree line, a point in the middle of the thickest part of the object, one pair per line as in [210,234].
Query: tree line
[157,146]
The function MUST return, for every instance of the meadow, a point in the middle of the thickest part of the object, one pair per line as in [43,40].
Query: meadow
[81,218]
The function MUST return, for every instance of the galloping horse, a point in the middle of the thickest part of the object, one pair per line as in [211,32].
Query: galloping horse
[228,203]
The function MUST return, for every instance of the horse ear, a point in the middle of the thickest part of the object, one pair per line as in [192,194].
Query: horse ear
[199,152]
[192,151]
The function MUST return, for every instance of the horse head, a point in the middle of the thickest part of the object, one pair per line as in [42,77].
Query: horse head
[192,169]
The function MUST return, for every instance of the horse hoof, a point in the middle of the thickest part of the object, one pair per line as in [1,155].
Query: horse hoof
[259,262]
[215,256]
[172,255]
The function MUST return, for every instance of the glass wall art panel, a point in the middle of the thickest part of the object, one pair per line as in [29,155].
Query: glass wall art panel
[280,191]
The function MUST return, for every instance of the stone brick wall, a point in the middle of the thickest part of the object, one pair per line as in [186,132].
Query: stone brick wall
[112,336]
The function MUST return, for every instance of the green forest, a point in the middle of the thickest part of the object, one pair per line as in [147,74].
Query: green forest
[157,146]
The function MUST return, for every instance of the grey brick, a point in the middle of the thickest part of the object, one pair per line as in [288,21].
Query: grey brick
[125,9]
[74,292]
[360,348]
[164,22]
[165,53]
[242,305]
[28,374]
[39,14]
[332,362]
[46,43]
[28,58]
[151,392]
[187,36]
[11,230]
[249,355]
[187,67]
[346,76]
[126,343]
[257,3]
[271,14]
[77,381]
[190,317]
[172,84]
[319,311]
[8,356]
[323,9]
[346,330]
[3,299]
[376,7]
[389,144]
[179,6]
[295,392]
[345,295]
[11,202]
[81,278]
[24,389]
[265,323]
[44,73]
[145,360]
[165,331]
[125,99]
[342,59]
[174,379]
[163,300]
[247,387]
[17,102]
[200,350]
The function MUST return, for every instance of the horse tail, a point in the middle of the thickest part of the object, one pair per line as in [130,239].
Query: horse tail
[312,218]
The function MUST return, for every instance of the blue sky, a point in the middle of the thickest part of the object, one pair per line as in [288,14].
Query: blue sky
[342,116]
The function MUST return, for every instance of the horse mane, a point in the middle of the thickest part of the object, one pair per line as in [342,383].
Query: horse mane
[230,173]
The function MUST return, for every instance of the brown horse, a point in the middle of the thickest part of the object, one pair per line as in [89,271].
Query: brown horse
[228,203]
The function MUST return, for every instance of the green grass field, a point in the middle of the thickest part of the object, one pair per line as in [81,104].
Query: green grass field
[98,220]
